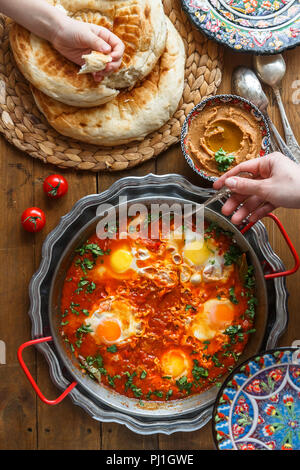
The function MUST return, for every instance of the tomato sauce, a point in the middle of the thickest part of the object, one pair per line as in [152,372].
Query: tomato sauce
[178,338]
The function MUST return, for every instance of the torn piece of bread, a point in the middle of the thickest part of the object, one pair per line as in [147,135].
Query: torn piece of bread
[94,62]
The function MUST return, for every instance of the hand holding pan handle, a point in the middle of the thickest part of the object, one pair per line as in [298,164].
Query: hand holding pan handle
[31,379]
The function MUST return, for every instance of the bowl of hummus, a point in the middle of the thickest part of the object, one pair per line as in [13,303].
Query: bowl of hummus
[221,132]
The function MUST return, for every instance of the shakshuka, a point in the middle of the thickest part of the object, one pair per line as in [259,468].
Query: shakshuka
[158,319]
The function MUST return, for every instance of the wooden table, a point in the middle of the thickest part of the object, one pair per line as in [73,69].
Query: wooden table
[26,422]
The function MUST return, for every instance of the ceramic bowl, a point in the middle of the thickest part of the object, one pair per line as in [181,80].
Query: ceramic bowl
[258,407]
[217,100]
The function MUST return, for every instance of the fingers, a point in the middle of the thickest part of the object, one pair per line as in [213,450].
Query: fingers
[116,46]
[248,187]
[116,50]
[98,76]
[261,212]
[249,206]
[252,166]
[233,203]
[255,166]
[112,67]
[100,45]
[254,206]
[115,43]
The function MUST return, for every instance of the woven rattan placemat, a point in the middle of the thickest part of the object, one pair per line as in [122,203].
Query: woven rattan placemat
[24,126]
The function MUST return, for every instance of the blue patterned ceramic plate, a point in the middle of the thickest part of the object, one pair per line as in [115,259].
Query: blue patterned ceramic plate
[258,407]
[259,26]
[217,100]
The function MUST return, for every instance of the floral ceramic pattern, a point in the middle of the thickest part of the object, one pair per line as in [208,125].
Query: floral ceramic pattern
[213,101]
[259,406]
[260,26]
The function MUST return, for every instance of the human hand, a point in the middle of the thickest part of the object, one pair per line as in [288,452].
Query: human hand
[276,183]
[73,39]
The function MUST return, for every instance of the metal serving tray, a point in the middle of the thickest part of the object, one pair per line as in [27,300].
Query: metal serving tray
[83,211]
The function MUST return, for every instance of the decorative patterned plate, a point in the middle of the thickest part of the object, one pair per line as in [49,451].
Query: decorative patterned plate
[217,100]
[258,407]
[259,26]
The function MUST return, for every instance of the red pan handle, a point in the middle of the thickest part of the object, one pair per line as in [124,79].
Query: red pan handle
[289,243]
[30,378]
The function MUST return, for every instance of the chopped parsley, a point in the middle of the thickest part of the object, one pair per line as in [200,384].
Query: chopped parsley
[232,296]
[224,160]
[190,307]
[249,278]
[111,380]
[236,333]
[80,332]
[83,282]
[216,361]
[143,374]
[91,287]
[158,393]
[92,248]
[94,367]
[249,285]
[232,255]
[97,360]
[85,264]
[198,371]
[112,349]
[129,384]
[73,310]
[213,227]
[184,385]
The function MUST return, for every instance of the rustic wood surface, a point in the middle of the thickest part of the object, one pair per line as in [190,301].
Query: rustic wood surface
[27,423]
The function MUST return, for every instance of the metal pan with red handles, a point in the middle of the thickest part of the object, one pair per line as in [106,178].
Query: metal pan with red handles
[146,189]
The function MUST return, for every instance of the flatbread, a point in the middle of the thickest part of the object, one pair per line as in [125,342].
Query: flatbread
[94,62]
[132,114]
[141,26]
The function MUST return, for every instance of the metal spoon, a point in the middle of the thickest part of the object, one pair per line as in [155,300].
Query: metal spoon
[271,70]
[245,83]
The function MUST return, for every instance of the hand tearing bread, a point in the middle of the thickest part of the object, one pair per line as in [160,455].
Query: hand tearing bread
[140,24]
[133,113]
[94,62]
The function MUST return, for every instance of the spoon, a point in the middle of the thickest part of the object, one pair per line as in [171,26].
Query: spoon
[271,70]
[245,83]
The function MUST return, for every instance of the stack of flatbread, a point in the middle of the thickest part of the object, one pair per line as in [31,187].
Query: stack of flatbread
[128,104]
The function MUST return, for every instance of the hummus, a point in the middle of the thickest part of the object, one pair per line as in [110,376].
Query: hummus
[227,127]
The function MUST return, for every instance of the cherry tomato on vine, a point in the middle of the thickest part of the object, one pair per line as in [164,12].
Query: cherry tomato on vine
[55,186]
[33,219]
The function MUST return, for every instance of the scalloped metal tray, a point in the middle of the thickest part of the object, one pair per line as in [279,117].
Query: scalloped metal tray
[85,210]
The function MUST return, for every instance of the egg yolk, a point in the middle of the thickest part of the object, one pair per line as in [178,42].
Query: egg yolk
[220,314]
[109,330]
[174,363]
[120,260]
[196,252]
